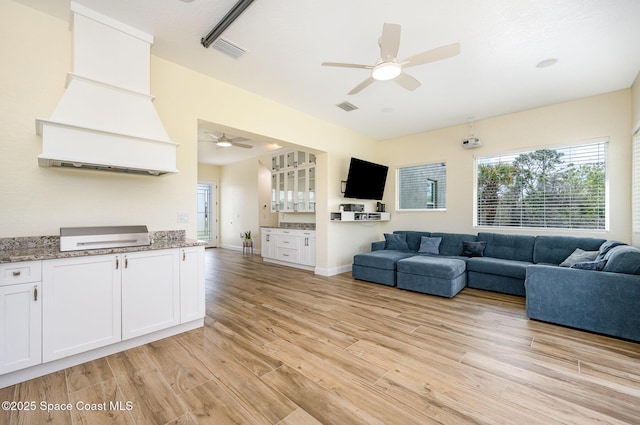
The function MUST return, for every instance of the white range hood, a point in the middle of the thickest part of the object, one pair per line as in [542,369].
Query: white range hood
[106,119]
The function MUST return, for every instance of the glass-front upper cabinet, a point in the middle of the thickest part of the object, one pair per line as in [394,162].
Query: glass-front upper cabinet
[277,162]
[312,188]
[293,183]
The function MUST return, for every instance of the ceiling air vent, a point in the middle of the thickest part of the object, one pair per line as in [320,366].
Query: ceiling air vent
[347,106]
[228,48]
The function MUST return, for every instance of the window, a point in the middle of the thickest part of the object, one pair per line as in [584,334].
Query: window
[557,188]
[422,187]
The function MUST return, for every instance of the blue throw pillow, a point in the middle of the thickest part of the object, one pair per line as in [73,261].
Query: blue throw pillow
[429,245]
[579,256]
[396,241]
[473,249]
[590,265]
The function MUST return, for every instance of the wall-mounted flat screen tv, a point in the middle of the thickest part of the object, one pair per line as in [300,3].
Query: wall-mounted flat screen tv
[366,180]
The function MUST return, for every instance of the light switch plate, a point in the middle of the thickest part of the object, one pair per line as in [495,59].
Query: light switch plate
[183,217]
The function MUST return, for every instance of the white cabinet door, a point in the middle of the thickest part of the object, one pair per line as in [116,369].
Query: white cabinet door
[308,249]
[268,244]
[191,283]
[20,326]
[80,305]
[150,292]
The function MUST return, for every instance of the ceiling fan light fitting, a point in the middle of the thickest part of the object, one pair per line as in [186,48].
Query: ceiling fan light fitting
[386,71]
[223,144]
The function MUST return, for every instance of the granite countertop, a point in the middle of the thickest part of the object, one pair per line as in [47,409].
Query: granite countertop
[48,247]
[294,226]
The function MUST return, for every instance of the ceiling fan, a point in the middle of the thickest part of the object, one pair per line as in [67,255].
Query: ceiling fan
[389,68]
[224,142]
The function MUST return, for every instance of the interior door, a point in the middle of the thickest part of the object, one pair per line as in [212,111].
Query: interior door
[207,212]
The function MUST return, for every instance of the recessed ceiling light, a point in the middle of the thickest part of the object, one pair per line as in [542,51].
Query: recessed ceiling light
[547,63]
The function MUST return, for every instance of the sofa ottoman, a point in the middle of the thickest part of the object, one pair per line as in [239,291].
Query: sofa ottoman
[440,276]
[378,266]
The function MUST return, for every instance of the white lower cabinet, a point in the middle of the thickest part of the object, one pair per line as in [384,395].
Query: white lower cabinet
[20,316]
[150,292]
[81,304]
[52,309]
[292,247]
[307,249]
[192,303]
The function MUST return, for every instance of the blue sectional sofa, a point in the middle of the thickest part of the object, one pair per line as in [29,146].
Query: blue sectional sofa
[599,293]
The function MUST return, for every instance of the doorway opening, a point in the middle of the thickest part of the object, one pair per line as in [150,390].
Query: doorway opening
[207,212]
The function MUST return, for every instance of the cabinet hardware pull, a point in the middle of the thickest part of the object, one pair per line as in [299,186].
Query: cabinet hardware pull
[184,256]
[35,293]
[126,262]
[117,263]
[16,274]
[268,238]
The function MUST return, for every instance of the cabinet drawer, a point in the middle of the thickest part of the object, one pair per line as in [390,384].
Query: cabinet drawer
[287,242]
[286,254]
[21,272]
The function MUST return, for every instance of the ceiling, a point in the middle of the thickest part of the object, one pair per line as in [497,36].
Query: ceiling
[596,44]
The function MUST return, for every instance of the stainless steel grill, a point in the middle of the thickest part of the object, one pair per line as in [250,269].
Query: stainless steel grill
[83,238]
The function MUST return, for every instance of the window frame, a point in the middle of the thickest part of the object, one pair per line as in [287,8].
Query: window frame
[515,153]
[432,182]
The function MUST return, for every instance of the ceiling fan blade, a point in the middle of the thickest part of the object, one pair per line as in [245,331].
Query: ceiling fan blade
[238,139]
[241,145]
[389,42]
[347,65]
[407,81]
[433,55]
[362,85]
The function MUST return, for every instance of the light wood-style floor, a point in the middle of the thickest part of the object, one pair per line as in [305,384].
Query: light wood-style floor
[283,346]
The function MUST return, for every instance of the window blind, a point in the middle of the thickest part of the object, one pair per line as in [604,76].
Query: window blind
[422,187]
[556,188]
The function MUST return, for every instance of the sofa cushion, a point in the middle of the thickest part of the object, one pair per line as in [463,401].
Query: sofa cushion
[430,245]
[606,247]
[473,249]
[555,249]
[498,266]
[508,247]
[396,241]
[414,238]
[443,268]
[385,259]
[579,256]
[623,259]
[452,242]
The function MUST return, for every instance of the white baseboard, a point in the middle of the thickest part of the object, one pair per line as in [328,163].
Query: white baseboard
[333,270]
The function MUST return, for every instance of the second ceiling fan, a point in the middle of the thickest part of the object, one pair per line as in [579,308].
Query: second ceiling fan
[389,68]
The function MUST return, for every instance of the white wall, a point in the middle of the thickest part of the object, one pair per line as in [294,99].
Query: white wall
[635,102]
[551,126]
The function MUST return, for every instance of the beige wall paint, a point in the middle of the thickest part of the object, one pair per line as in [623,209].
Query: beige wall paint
[635,101]
[36,52]
[555,125]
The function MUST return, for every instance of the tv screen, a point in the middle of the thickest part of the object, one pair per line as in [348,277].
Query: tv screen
[366,180]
